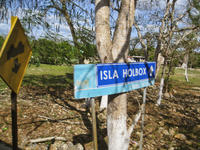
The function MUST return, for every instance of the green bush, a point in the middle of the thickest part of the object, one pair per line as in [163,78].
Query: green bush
[58,53]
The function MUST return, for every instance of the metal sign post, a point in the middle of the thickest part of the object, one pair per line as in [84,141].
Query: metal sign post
[94,126]
[14,120]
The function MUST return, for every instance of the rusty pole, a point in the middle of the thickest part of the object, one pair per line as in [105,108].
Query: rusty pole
[14,120]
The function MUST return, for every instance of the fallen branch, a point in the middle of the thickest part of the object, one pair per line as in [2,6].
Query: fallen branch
[41,140]
[59,120]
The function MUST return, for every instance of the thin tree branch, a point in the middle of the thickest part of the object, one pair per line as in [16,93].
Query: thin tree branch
[187,28]
[114,8]
[141,40]
[183,36]
[135,121]
[139,35]
[41,140]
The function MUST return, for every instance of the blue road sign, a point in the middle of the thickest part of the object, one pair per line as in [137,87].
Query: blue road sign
[94,80]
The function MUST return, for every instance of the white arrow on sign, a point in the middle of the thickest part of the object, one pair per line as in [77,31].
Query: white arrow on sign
[151,71]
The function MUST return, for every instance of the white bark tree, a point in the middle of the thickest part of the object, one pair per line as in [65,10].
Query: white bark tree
[168,41]
[114,50]
[185,64]
[170,34]
[189,44]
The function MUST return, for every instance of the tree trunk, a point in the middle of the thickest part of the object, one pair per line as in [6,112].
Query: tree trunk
[63,10]
[102,27]
[170,66]
[185,65]
[186,74]
[162,83]
[110,51]
[160,62]
[104,102]
[118,138]
[118,135]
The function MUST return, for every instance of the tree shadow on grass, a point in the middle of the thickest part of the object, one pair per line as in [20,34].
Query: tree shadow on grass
[86,138]
[6,146]
[61,81]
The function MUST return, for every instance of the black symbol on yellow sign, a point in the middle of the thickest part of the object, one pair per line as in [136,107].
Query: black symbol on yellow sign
[16,66]
[13,52]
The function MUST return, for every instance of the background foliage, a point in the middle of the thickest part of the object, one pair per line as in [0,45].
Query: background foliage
[48,51]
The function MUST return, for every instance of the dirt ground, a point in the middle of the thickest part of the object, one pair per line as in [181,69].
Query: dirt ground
[53,112]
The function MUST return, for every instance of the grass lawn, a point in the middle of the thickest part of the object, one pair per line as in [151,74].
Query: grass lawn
[44,69]
[46,75]
[178,79]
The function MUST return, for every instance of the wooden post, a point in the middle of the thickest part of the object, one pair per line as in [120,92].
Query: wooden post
[14,120]
[94,126]
[143,114]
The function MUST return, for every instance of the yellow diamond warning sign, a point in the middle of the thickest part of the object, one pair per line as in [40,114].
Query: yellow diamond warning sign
[14,56]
